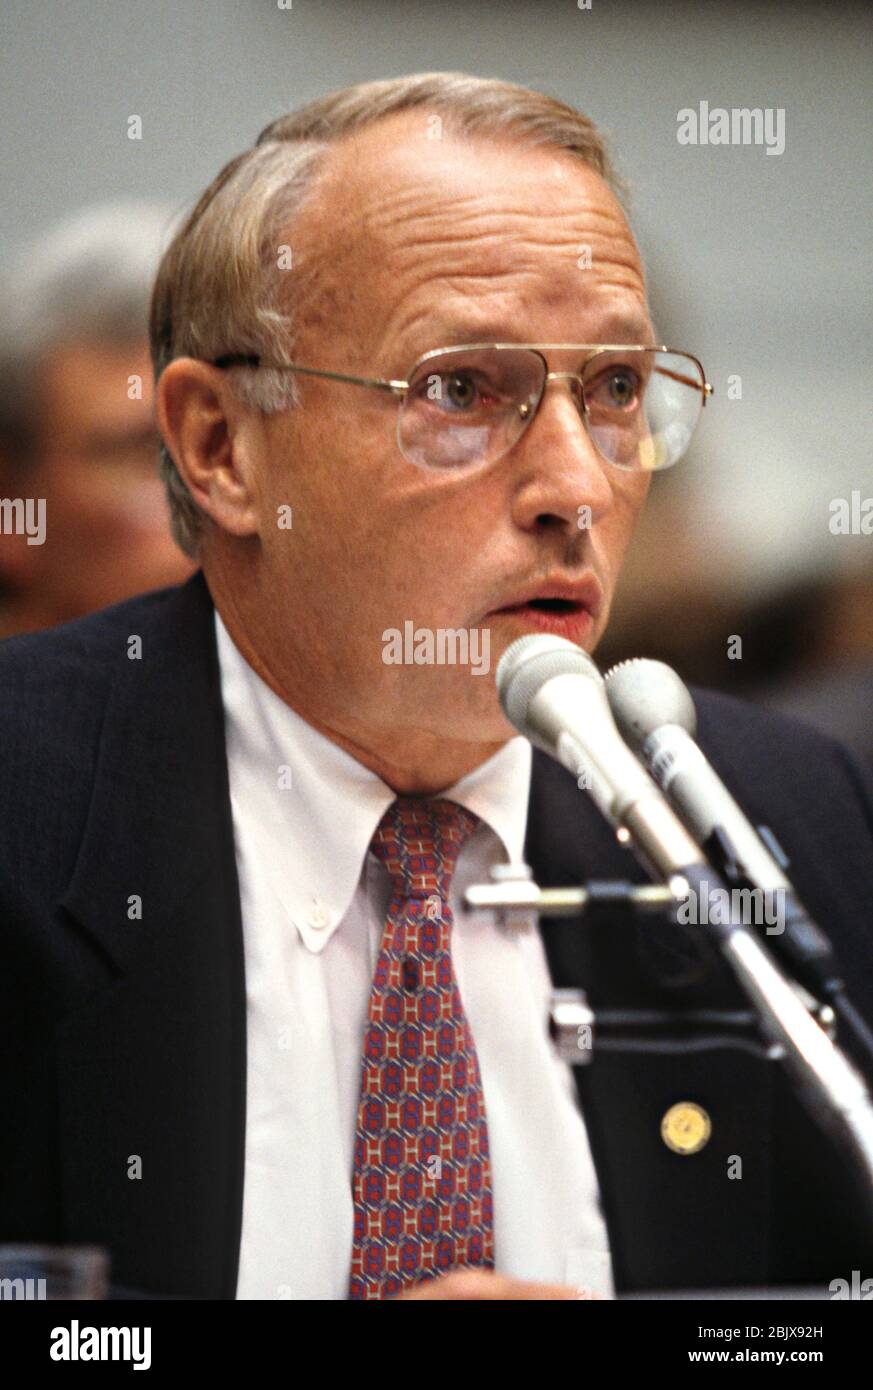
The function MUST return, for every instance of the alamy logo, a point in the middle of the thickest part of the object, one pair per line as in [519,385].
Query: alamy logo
[26,1289]
[741,125]
[755,907]
[75,1343]
[23,516]
[851,516]
[861,1290]
[442,646]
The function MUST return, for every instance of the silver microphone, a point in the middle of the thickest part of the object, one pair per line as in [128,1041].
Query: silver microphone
[553,693]
[655,713]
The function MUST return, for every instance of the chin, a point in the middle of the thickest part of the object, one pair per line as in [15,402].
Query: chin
[482,725]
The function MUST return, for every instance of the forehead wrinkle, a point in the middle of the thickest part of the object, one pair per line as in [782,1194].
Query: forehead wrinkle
[418,330]
[387,174]
[468,221]
[507,252]
[374,249]
[509,294]
[505,264]
[524,264]
[405,218]
[404,294]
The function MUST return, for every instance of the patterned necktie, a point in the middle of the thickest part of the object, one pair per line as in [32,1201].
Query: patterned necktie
[422,1175]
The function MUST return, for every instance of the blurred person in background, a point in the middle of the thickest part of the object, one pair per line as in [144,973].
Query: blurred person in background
[83,516]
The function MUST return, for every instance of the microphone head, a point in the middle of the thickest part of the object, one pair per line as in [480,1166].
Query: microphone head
[529,662]
[644,695]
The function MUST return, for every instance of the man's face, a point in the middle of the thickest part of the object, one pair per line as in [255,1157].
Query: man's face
[411,244]
[107,523]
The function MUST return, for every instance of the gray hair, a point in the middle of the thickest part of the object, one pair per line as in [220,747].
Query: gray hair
[217,292]
[88,280]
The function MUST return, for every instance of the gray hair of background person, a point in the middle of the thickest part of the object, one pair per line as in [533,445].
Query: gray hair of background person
[217,290]
[86,280]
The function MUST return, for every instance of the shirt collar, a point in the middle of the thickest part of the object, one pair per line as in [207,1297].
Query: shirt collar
[318,807]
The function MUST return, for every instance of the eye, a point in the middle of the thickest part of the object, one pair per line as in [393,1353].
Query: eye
[616,389]
[456,392]
[460,390]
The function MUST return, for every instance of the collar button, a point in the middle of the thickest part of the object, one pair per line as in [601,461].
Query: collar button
[318,917]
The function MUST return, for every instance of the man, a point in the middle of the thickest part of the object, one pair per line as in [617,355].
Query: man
[255,1044]
[83,518]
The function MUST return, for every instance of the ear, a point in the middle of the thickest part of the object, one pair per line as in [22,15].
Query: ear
[212,438]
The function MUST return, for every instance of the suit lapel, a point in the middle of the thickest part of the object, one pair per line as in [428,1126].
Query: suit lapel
[152,1063]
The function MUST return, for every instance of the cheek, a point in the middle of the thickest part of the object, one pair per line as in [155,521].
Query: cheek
[618,526]
[630,496]
[329,534]
[381,531]
[443,536]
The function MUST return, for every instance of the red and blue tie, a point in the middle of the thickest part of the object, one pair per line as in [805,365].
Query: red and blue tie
[422,1175]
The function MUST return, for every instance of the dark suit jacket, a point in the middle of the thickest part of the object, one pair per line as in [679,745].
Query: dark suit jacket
[125,1038]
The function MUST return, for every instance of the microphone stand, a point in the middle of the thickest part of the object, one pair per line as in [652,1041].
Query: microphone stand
[827,1083]
[802,945]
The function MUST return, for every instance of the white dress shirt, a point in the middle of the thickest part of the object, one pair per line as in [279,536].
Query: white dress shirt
[314,904]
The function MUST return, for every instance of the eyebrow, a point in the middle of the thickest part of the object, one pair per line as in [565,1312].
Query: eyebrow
[613,328]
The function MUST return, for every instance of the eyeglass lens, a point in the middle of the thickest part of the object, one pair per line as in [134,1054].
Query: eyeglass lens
[470,406]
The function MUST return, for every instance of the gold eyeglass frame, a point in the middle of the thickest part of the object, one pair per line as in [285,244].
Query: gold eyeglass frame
[527,413]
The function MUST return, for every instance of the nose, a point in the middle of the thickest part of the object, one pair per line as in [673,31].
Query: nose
[562,479]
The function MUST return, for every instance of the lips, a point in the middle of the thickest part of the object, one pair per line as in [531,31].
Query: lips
[567,608]
[573,622]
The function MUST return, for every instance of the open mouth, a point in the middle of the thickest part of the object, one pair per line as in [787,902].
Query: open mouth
[563,617]
[553,605]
